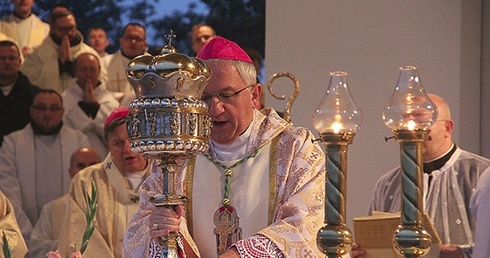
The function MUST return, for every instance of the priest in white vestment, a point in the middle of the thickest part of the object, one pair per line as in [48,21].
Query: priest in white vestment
[133,43]
[87,101]
[117,180]
[274,195]
[34,160]
[450,177]
[49,66]
[24,27]
[46,232]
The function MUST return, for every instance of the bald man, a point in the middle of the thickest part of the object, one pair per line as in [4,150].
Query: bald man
[44,237]
[450,175]
[87,101]
[81,159]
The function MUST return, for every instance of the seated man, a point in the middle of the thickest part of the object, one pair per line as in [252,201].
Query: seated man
[34,160]
[117,180]
[275,177]
[16,90]
[88,102]
[46,232]
[450,175]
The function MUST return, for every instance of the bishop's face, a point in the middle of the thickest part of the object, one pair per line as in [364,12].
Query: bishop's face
[231,115]
[125,160]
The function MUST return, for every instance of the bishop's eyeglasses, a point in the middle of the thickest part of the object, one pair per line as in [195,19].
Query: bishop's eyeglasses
[224,97]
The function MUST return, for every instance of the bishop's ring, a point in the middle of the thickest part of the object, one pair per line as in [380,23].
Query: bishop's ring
[155,226]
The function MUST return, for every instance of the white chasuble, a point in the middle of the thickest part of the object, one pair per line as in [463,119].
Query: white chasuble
[249,194]
[296,188]
[116,68]
[126,202]
[116,205]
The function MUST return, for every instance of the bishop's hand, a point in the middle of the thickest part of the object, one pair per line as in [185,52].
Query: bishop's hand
[164,220]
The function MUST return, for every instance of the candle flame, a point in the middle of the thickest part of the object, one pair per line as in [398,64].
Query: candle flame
[411,125]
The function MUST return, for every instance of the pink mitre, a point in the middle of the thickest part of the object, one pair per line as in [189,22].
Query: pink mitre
[121,112]
[221,48]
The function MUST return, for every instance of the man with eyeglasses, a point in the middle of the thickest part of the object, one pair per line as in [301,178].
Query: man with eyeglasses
[132,43]
[49,66]
[23,26]
[34,160]
[16,90]
[450,176]
[258,192]
[88,102]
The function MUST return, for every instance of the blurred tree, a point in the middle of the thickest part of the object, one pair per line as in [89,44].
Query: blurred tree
[180,23]
[5,8]
[242,21]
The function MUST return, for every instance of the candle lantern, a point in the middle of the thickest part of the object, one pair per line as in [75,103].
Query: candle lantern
[409,114]
[337,120]
[167,120]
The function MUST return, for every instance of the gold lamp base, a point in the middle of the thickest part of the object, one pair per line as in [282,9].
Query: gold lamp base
[334,240]
[411,241]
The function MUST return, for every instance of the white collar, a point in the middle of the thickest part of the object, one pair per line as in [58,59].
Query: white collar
[235,150]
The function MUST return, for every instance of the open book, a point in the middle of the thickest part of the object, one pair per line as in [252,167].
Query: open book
[375,234]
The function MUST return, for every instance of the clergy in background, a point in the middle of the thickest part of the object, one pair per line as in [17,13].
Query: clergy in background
[34,160]
[23,26]
[46,232]
[117,180]
[88,103]
[133,43]
[49,66]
